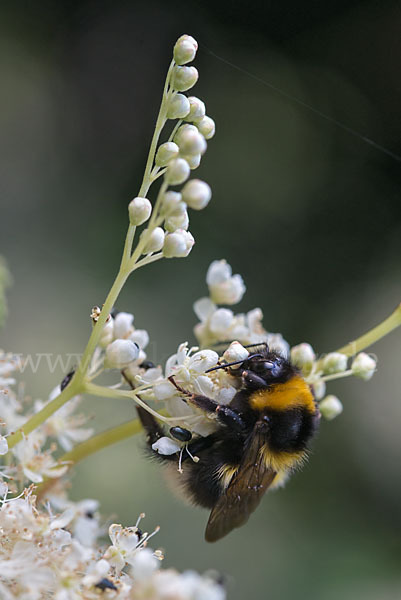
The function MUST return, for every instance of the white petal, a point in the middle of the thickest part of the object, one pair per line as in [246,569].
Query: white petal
[221,320]
[120,353]
[3,445]
[128,539]
[143,564]
[140,337]
[3,488]
[218,272]
[152,375]
[123,324]
[226,394]
[203,308]
[35,477]
[64,519]
[164,390]
[204,386]
[166,445]
[203,360]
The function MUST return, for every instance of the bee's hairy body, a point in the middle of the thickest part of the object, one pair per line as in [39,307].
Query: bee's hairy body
[262,436]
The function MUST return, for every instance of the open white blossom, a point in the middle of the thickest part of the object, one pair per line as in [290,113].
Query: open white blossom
[64,425]
[224,287]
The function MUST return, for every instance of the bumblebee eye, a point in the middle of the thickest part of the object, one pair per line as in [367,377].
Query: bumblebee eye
[262,366]
[277,368]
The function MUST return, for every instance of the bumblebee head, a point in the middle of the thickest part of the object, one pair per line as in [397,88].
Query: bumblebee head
[270,366]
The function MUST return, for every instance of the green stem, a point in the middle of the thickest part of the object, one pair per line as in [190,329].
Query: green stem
[161,120]
[94,444]
[375,334]
[41,416]
[371,337]
[78,384]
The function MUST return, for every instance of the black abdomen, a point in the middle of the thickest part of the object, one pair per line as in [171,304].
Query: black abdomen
[291,430]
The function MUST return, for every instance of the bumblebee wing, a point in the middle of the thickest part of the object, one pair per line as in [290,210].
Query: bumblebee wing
[243,493]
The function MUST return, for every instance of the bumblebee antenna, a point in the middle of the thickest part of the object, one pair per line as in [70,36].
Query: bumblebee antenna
[265,344]
[236,362]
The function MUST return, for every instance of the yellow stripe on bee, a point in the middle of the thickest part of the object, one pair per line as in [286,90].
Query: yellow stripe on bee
[294,393]
[282,462]
[225,474]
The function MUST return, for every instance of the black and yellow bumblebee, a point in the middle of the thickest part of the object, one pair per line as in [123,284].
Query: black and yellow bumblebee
[262,435]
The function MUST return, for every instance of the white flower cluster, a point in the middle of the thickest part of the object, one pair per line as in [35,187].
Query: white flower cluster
[219,325]
[334,365]
[168,229]
[221,328]
[54,551]
[122,342]
[43,555]
[32,459]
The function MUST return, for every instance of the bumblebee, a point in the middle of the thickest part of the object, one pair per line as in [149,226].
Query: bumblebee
[262,436]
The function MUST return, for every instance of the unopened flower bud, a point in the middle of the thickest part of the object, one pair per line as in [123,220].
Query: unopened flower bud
[234,352]
[363,366]
[330,407]
[197,109]
[185,49]
[166,445]
[178,244]
[120,353]
[319,389]
[334,362]
[174,222]
[165,153]
[191,142]
[106,337]
[123,325]
[184,78]
[182,131]
[178,107]
[196,194]
[155,241]
[139,210]
[140,337]
[193,161]
[206,127]
[302,355]
[177,171]
[172,202]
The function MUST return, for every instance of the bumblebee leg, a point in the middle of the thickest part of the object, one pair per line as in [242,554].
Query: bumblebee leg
[225,415]
[252,380]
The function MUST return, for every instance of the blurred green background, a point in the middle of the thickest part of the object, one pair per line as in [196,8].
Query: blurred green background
[308,213]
